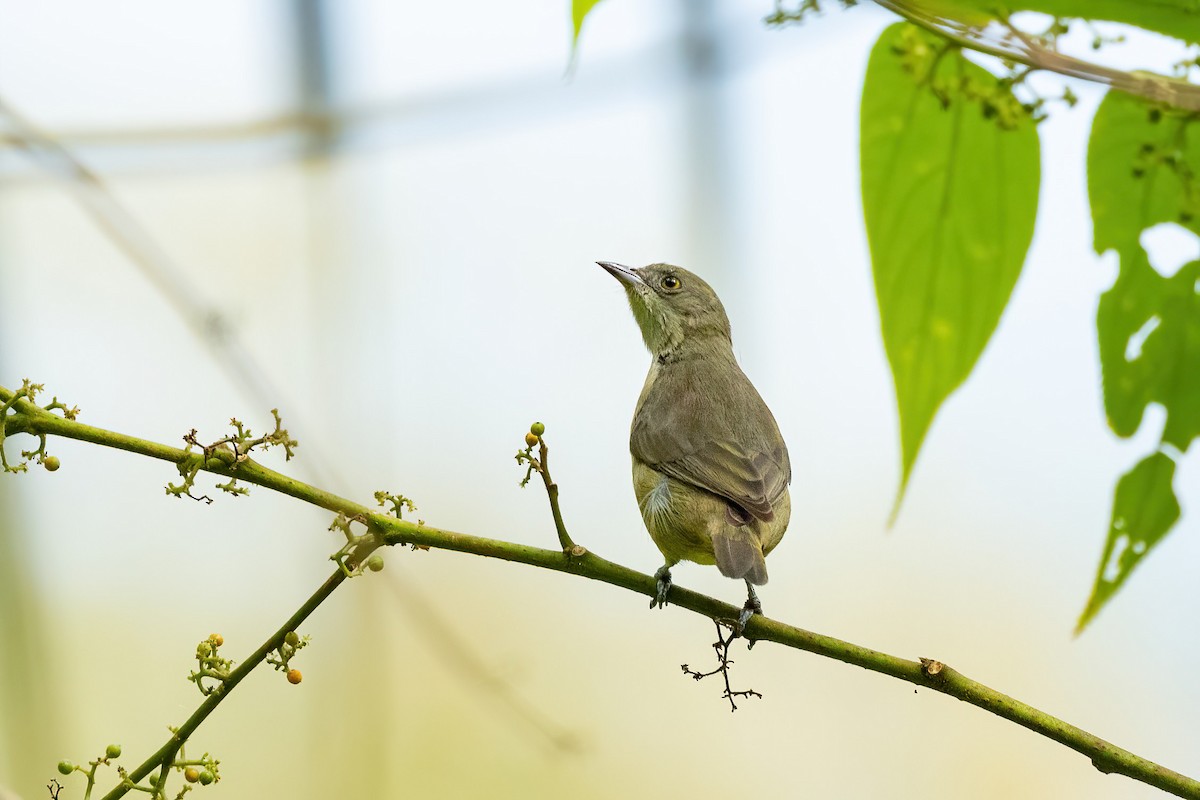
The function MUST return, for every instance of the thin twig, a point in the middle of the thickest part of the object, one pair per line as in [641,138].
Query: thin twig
[724,662]
[564,538]
[1024,50]
[163,757]
[541,465]
[25,417]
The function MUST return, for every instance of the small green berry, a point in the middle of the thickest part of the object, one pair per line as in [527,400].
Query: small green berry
[537,429]
[204,649]
[65,768]
[113,751]
[207,777]
[292,638]
[51,463]
[191,774]
[375,563]
[153,779]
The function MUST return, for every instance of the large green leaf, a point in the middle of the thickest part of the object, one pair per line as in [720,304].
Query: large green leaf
[1143,171]
[950,200]
[1144,509]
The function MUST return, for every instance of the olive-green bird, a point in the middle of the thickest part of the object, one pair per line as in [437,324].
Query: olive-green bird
[710,468]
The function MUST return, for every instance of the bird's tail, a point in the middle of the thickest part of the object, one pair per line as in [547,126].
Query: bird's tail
[739,554]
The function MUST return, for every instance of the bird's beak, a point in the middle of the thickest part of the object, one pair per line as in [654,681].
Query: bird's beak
[622,273]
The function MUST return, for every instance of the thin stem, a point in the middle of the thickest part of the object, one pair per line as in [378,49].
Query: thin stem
[1159,88]
[1105,756]
[166,754]
[564,538]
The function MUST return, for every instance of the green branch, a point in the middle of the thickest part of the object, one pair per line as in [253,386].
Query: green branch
[166,754]
[25,417]
[978,35]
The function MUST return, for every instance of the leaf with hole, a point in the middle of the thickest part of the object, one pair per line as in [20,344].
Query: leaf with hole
[1142,172]
[1144,509]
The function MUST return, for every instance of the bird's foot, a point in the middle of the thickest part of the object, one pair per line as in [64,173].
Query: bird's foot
[753,606]
[663,575]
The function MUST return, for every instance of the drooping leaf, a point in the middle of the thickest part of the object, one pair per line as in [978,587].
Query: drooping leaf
[1144,509]
[579,11]
[949,198]
[1142,171]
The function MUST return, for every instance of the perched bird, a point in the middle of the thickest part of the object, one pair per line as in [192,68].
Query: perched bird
[710,468]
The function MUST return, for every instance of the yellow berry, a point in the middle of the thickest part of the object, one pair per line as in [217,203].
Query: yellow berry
[294,676]
[216,639]
[51,463]
[531,439]
[191,774]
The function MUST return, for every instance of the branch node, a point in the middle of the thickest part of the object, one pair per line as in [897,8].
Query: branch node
[24,402]
[931,667]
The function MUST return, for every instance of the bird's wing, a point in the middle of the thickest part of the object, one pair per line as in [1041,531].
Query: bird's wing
[752,479]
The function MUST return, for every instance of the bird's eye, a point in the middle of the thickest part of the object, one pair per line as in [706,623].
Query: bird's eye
[670,282]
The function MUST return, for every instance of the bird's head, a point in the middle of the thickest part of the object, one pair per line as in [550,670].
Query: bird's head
[674,308]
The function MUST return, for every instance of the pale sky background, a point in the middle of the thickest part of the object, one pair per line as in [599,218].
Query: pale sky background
[422,297]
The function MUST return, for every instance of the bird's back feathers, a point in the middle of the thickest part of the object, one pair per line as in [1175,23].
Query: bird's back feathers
[683,428]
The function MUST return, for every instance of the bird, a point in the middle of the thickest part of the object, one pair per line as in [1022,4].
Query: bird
[710,467]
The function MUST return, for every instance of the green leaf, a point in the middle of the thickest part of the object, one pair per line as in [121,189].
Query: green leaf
[1142,172]
[1144,509]
[1132,182]
[579,11]
[949,199]
[1149,330]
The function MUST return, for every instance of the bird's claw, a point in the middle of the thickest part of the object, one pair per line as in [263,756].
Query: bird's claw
[753,606]
[664,585]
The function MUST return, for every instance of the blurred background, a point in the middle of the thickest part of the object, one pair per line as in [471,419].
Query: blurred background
[382,218]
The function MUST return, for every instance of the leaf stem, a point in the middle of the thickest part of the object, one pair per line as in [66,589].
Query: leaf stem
[543,469]
[1021,48]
